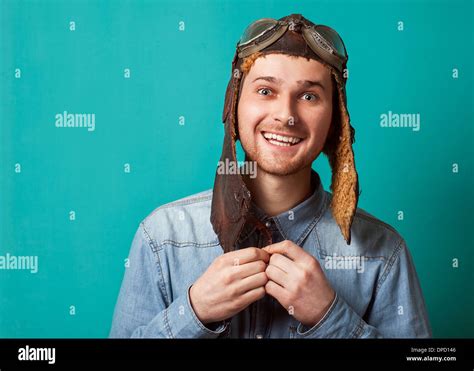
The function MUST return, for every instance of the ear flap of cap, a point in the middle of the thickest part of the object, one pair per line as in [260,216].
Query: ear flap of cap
[345,183]
[229,93]
[231,198]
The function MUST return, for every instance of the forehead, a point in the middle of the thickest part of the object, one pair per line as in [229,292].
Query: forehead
[289,68]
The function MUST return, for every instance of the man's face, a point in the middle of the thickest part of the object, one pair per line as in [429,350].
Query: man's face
[284,112]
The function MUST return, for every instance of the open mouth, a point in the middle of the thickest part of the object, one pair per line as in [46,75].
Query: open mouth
[281,140]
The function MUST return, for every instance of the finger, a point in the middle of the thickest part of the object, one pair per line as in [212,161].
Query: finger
[252,282]
[277,275]
[281,261]
[287,248]
[276,291]
[247,255]
[253,295]
[250,269]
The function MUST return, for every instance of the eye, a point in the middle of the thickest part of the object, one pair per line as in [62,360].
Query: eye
[264,91]
[310,97]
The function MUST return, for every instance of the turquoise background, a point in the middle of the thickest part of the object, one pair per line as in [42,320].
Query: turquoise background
[184,73]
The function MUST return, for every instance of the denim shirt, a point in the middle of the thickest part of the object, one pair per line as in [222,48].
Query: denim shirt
[377,289]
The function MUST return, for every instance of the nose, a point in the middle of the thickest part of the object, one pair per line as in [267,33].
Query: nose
[285,111]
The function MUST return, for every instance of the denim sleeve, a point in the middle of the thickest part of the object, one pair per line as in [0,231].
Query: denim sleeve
[397,311]
[141,310]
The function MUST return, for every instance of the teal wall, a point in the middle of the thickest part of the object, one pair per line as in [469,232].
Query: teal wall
[184,73]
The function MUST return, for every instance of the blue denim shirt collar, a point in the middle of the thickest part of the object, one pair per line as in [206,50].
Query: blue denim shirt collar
[295,224]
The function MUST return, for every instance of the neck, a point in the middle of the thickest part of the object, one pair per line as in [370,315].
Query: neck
[275,194]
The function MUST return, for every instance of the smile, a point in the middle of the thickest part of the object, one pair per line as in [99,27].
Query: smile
[281,140]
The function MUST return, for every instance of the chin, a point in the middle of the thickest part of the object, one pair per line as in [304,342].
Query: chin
[280,169]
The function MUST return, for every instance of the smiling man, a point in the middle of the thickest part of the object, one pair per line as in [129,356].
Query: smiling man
[260,256]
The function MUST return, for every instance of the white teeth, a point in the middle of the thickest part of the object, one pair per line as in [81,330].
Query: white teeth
[281,139]
[279,143]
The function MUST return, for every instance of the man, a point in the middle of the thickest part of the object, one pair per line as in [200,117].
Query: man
[274,255]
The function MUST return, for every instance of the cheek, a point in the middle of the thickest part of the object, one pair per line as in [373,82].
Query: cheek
[319,123]
[249,114]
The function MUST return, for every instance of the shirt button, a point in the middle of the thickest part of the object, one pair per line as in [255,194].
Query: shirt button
[268,224]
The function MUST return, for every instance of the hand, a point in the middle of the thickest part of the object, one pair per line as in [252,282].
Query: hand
[297,281]
[231,283]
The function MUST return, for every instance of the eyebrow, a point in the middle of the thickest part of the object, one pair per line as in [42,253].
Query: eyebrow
[303,83]
[310,84]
